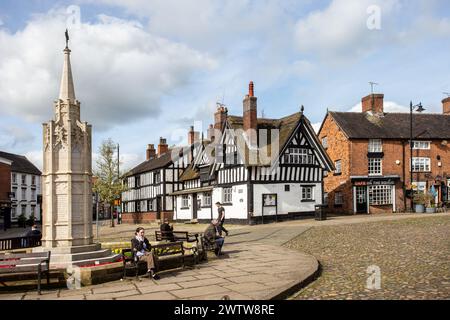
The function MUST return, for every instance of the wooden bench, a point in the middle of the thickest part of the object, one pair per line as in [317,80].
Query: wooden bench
[206,246]
[176,236]
[160,251]
[25,264]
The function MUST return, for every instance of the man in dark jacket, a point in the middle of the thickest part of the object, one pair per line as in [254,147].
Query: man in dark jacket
[34,232]
[212,234]
[167,230]
[221,218]
[143,251]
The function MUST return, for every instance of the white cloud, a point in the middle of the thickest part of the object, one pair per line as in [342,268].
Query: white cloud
[389,106]
[121,71]
[35,157]
[339,32]
[13,136]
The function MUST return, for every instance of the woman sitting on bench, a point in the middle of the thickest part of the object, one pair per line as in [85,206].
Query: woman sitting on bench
[143,251]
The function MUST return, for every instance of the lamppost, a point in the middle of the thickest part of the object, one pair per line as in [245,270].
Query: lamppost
[411,109]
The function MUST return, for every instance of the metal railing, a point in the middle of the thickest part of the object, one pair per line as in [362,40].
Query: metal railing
[20,243]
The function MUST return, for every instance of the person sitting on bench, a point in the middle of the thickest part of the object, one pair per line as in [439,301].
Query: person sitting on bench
[212,234]
[167,230]
[143,251]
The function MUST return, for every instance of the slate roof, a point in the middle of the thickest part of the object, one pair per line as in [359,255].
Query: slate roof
[152,164]
[361,125]
[20,163]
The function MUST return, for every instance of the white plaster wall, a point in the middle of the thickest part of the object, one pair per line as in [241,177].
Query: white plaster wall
[180,213]
[288,201]
[238,210]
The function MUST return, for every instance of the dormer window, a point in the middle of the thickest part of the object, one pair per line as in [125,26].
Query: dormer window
[375,145]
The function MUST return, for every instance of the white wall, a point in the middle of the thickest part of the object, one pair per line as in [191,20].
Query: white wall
[202,213]
[287,201]
[238,210]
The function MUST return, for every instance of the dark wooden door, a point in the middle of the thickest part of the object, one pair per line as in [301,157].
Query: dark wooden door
[194,206]
[361,199]
[158,207]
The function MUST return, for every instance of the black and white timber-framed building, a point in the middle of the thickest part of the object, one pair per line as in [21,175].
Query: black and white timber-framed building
[259,169]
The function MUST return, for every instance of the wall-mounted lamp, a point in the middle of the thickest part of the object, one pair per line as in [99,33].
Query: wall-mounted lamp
[397,162]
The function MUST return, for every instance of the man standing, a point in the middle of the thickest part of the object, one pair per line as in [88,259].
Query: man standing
[221,218]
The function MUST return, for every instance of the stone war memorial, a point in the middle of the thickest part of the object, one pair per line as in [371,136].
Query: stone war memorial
[67,183]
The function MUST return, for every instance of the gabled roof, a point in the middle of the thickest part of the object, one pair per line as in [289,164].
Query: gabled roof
[20,163]
[148,165]
[361,125]
[286,126]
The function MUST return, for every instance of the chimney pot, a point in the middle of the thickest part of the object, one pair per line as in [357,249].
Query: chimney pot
[251,89]
[150,154]
[162,147]
[250,118]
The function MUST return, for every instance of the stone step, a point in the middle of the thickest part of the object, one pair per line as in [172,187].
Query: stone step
[70,250]
[110,258]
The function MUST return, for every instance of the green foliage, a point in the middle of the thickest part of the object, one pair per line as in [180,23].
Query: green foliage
[108,184]
[424,198]
[22,220]
[31,220]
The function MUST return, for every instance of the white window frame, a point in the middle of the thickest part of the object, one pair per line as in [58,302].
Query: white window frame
[14,178]
[338,198]
[307,193]
[184,201]
[338,167]
[13,212]
[299,156]
[325,142]
[374,168]
[421,145]
[23,209]
[375,145]
[228,195]
[380,195]
[24,179]
[207,199]
[419,163]
[24,194]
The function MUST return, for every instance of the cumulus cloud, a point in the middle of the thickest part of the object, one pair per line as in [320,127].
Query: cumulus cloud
[389,106]
[12,136]
[121,71]
[340,31]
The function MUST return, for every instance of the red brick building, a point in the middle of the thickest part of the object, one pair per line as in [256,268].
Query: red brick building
[5,186]
[371,153]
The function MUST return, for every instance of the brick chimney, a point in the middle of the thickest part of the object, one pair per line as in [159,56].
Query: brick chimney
[446,106]
[250,115]
[162,147]
[220,117]
[151,152]
[210,133]
[374,103]
[193,136]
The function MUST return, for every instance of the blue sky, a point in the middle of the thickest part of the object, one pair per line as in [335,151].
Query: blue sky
[145,69]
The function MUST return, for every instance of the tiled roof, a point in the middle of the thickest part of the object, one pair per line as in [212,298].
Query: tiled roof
[360,125]
[152,164]
[20,163]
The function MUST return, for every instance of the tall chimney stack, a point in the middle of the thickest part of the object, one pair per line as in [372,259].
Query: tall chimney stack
[162,146]
[193,136]
[446,106]
[210,133]
[373,103]
[151,152]
[250,115]
[220,116]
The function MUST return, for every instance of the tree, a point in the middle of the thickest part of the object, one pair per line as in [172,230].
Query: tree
[108,184]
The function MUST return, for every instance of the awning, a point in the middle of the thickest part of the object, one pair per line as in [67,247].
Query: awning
[188,191]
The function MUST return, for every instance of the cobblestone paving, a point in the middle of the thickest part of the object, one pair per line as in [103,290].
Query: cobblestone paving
[413,256]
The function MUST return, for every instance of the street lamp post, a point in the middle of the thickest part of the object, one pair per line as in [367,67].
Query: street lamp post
[411,109]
